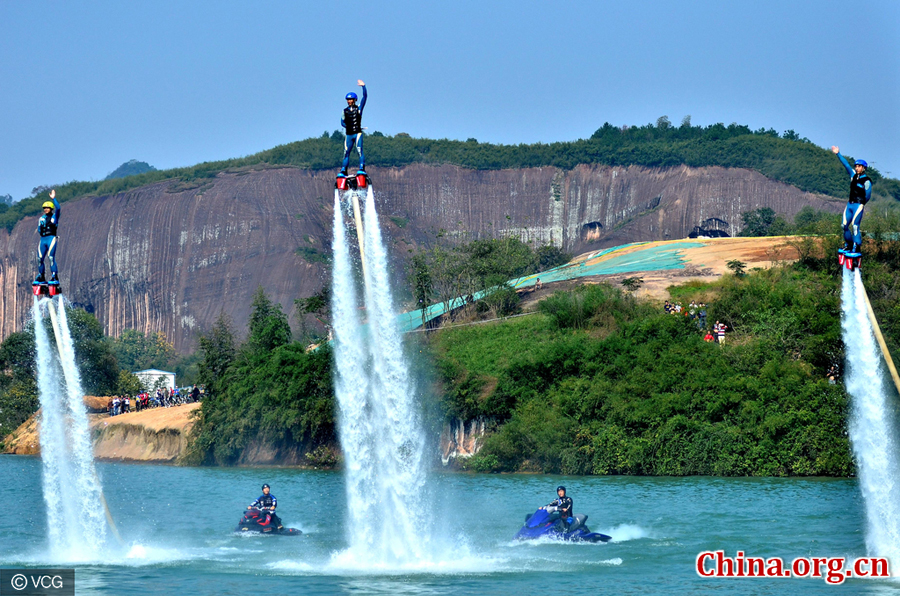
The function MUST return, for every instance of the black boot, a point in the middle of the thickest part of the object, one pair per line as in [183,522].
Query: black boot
[40,278]
[54,278]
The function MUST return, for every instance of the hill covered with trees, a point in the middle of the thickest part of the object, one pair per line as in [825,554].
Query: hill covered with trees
[786,158]
[132,167]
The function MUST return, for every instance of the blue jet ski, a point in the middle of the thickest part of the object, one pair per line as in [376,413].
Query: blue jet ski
[547,522]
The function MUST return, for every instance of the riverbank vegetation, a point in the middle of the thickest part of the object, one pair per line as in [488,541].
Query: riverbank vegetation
[602,383]
[105,364]
[267,391]
[596,382]
[96,361]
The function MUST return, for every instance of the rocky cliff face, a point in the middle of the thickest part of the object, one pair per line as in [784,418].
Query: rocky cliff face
[170,257]
[461,439]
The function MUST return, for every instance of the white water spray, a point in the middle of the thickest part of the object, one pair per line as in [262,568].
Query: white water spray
[71,489]
[872,429]
[380,424]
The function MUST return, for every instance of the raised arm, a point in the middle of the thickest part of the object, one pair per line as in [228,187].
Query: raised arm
[55,206]
[847,166]
[362,104]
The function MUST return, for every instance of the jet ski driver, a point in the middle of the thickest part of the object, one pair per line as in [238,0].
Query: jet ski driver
[267,503]
[563,506]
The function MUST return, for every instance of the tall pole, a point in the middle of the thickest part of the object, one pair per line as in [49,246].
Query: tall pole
[360,236]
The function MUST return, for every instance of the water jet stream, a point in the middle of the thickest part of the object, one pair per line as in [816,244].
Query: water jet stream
[873,430]
[75,504]
[380,425]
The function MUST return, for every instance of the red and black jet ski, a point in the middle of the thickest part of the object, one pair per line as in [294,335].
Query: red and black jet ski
[264,522]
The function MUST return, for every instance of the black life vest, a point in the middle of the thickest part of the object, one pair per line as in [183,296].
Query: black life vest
[858,188]
[353,119]
[46,227]
[266,500]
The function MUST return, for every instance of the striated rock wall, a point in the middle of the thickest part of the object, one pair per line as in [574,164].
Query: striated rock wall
[170,257]
[462,438]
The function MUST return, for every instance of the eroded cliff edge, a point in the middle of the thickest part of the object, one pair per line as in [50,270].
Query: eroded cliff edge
[158,435]
[169,257]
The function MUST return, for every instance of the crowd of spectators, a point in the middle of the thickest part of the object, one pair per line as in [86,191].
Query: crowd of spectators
[697,312]
[163,398]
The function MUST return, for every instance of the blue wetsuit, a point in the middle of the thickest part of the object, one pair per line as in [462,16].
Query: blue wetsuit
[352,123]
[47,228]
[860,193]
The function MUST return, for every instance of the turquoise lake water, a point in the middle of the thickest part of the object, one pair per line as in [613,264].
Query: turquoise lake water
[177,528]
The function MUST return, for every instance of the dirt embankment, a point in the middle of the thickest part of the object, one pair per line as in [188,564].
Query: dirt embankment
[157,435]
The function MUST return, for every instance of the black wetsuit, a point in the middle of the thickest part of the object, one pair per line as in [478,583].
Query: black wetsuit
[564,508]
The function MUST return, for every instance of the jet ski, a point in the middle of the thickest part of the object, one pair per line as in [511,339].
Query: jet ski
[547,522]
[263,522]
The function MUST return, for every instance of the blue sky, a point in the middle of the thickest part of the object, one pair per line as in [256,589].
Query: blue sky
[87,86]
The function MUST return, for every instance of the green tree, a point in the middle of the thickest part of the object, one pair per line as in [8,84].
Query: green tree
[268,324]
[218,348]
[317,306]
[420,278]
[550,256]
[641,393]
[138,351]
[739,268]
[17,403]
[129,384]
[632,283]
[93,353]
[763,222]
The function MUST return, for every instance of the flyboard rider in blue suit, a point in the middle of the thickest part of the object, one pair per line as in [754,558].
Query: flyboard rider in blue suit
[352,123]
[47,227]
[860,193]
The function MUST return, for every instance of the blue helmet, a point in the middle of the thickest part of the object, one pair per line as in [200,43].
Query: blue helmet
[861,162]
[351,95]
